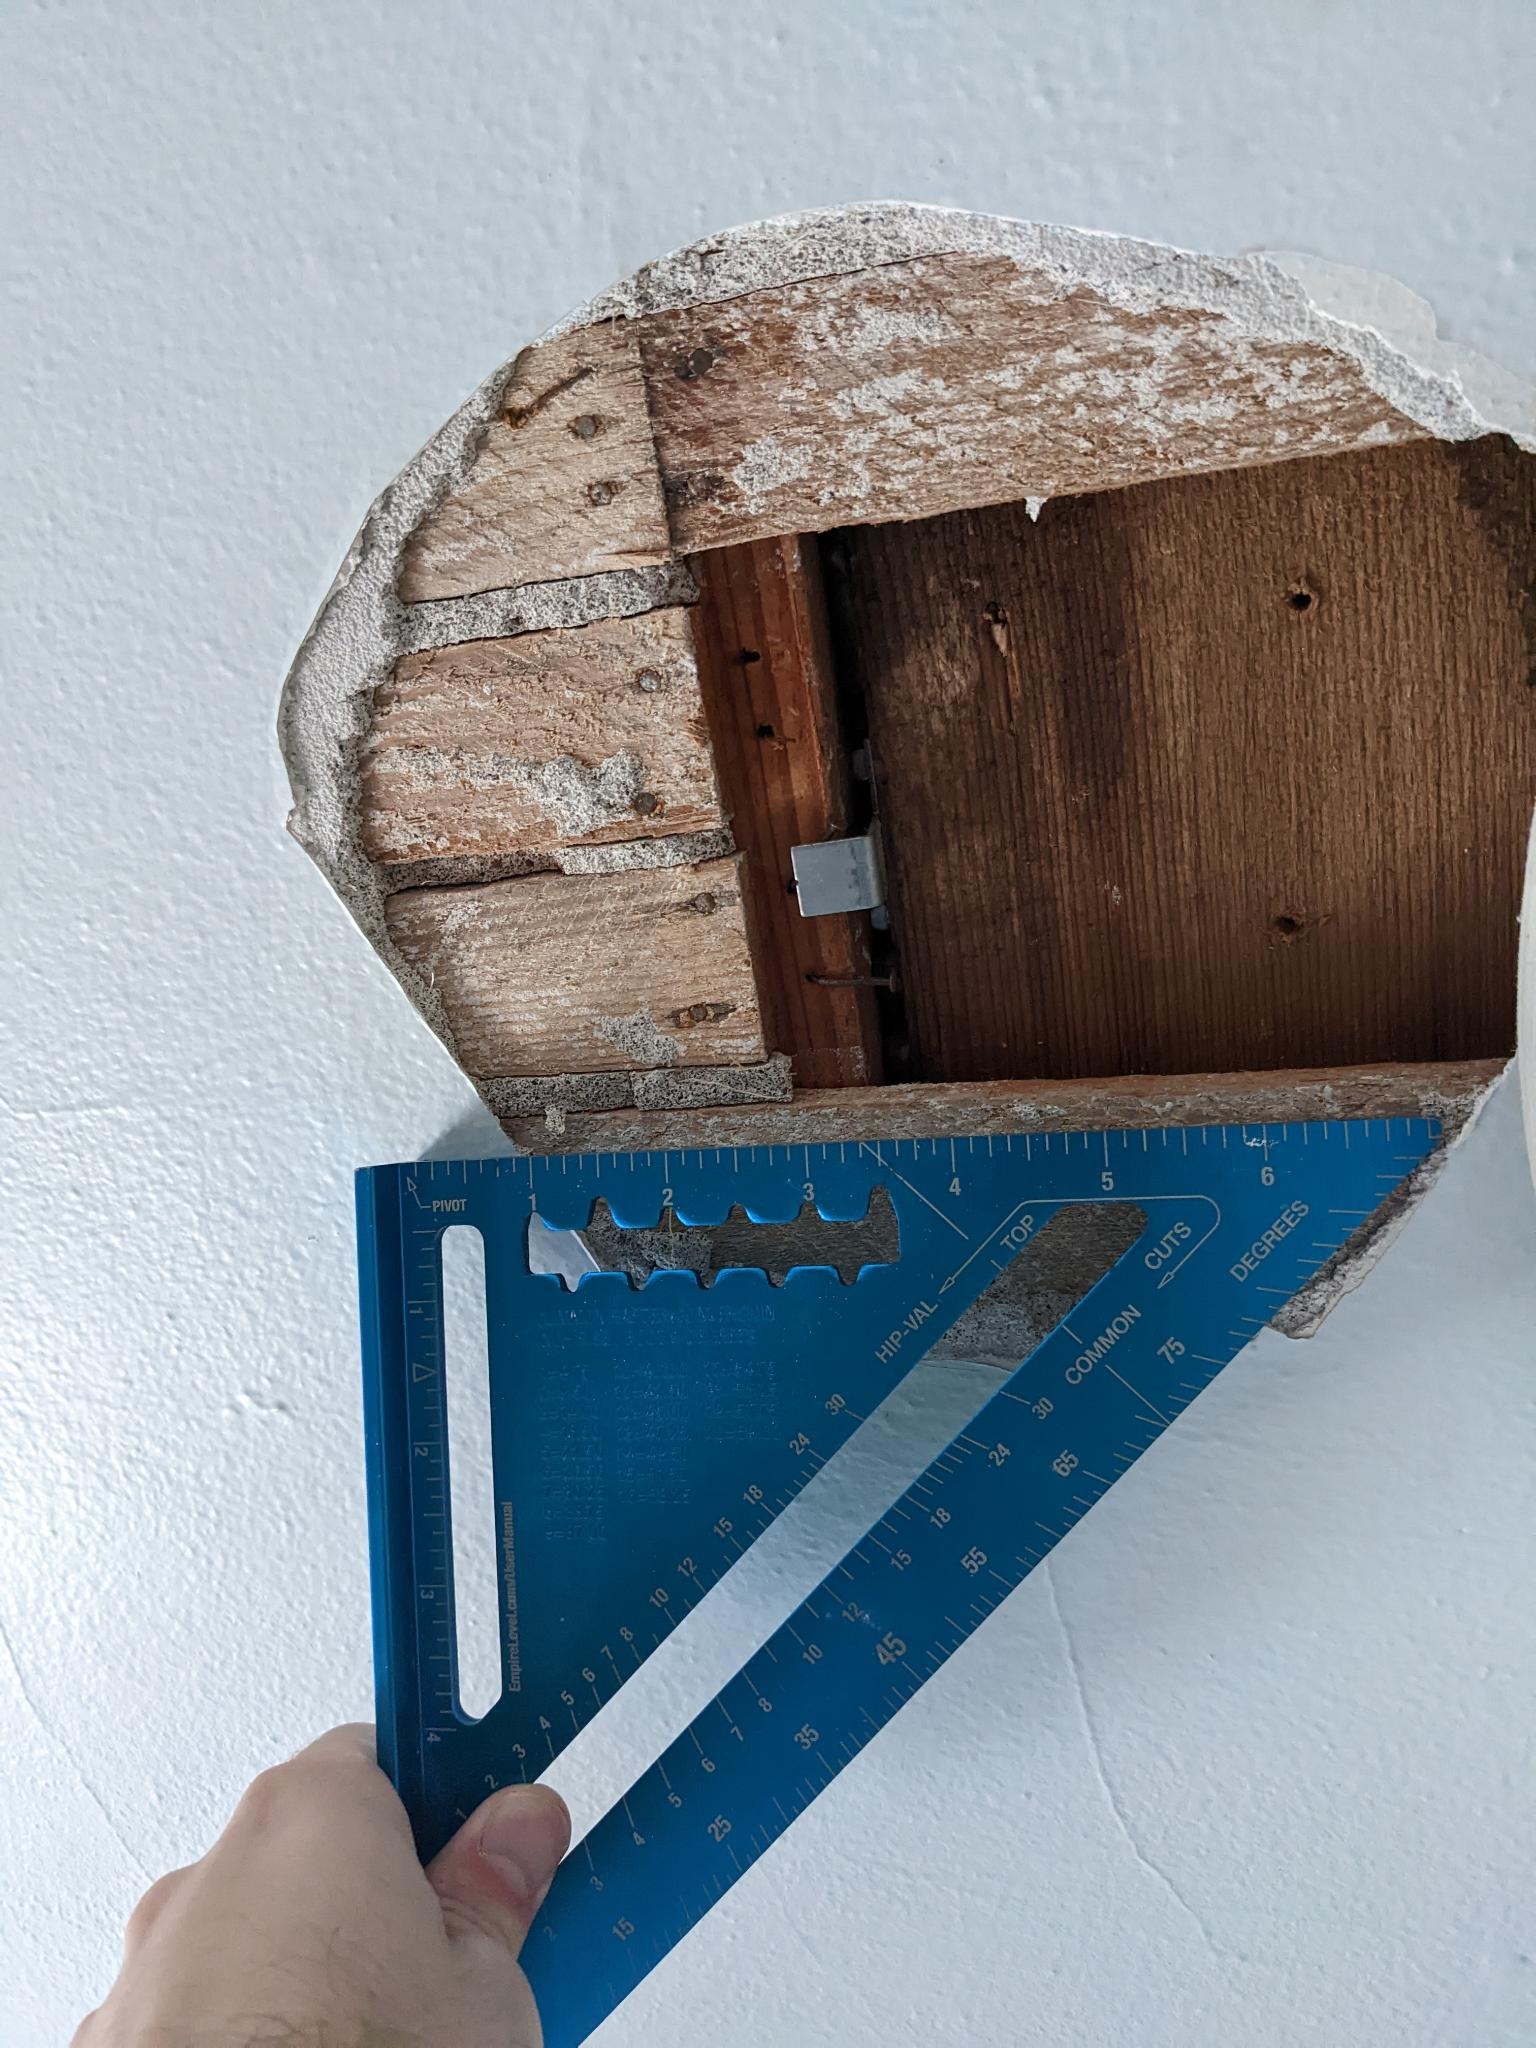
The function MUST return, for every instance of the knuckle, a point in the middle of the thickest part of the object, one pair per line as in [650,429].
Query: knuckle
[154,1902]
[268,1793]
[317,1781]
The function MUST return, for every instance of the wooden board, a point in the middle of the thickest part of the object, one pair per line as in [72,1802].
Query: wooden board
[1449,1090]
[766,674]
[964,380]
[564,482]
[540,741]
[1229,772]
[554,974]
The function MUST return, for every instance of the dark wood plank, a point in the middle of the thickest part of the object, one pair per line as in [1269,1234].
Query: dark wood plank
[765,675]
[1227,772]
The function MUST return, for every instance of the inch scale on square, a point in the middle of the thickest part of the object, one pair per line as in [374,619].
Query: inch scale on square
[643,1436]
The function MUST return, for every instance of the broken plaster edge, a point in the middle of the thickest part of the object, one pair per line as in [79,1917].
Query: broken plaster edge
[1355,1261]
[362,629]
[1384,328]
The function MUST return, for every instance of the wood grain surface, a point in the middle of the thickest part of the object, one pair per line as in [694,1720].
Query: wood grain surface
[924,386]
[1228,772]
[902,1112]
[564,482]
[539,741]
[766,675]
[555,974]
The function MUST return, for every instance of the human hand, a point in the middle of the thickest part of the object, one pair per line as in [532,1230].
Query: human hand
[311,1924]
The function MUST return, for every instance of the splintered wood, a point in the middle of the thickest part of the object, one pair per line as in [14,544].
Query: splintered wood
[546,740]
[766,670]
[553,974]
[564,483]
[1226,773]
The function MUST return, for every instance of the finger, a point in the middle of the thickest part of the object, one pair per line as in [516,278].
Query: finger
[493,1875]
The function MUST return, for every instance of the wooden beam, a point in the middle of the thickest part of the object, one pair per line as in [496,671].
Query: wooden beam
[564,482]
[961,380]
[556,974]
[766,675]
[541,741]
[1231,772]
[1447,1090]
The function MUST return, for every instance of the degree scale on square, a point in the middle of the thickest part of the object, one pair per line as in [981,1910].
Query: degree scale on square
[749,1387]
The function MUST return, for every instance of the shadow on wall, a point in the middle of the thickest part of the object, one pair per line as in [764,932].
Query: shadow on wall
[474,1135]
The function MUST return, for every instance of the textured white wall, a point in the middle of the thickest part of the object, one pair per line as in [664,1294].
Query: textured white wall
[1256,1764]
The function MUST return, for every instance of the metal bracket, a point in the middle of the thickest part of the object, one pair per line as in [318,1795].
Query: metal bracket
[834,876]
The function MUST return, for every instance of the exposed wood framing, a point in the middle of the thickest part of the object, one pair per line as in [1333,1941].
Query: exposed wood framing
[766,671]
[541,741]
[564,483]
[889,393]
[558,973]
[966,380]
[1448,1090]
[1225,773]
[876,364]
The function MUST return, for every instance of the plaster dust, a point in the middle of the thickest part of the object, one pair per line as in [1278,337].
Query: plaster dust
[637,1037]
[591,795]
[1351,1265]
[657,1088]
[580,798]
[1260,1775]
[539,607]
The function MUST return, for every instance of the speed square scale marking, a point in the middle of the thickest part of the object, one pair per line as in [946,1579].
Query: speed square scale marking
[644,1435]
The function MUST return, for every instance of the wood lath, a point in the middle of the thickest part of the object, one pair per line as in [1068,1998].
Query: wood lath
[541,741]
[555,973]
[564,481]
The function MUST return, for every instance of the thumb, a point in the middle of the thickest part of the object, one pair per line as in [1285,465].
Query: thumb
[492,1877]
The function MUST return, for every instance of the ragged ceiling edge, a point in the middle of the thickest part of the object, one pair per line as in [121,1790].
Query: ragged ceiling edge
[1353,1262]
[362,628]
[1371,303]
